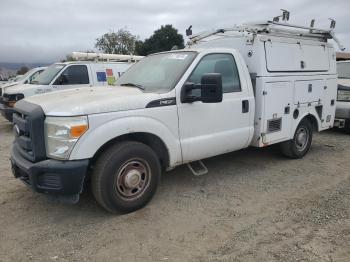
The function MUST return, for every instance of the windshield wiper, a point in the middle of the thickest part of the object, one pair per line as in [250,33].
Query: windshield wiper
[133,85]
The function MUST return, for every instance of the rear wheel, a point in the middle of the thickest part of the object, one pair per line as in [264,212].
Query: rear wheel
[125,177]
[301,142]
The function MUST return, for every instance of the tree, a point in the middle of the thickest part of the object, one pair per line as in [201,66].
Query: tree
[22,70]
[163,39]
[122,42]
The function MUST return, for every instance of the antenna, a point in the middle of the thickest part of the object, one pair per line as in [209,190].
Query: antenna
[312,24]
[284,16]
[189,31]
[332,23]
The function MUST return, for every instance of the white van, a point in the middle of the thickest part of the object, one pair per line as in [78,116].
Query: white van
[68,75]
[256,85]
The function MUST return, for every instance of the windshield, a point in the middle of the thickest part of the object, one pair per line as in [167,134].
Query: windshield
[158,73]
[47,75]
[343,70]
[18,78]
[22,77]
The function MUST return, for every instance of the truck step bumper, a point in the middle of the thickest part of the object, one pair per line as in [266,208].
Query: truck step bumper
[50,176]
[339,123]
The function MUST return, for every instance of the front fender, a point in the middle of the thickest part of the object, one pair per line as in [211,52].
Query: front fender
[101,133]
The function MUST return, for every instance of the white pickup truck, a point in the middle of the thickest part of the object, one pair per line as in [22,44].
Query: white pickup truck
[254,85]
[342,113]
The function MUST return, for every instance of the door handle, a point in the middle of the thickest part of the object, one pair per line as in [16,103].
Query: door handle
[245,106]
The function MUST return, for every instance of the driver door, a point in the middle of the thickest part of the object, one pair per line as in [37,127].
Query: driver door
[209,129]
[74,76]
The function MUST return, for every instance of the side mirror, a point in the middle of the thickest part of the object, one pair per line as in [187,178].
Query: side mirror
[211,88]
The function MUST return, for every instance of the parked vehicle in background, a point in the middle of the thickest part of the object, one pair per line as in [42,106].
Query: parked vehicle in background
[6,109]
[24,79]
[68,75]
[251,85]
[11,79]
[343,101]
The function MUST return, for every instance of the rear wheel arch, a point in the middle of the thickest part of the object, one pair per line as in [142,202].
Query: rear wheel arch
[312,120]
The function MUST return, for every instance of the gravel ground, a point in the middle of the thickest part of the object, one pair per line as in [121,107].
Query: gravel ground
[253,205]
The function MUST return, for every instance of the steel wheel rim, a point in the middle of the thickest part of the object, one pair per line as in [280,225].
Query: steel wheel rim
[132,179]
[302,138]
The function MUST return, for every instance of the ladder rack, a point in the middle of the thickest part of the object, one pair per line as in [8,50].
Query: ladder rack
[277,28]
[108,57]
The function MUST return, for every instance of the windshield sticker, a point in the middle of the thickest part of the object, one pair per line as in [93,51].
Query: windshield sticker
[178,56]
[101,77]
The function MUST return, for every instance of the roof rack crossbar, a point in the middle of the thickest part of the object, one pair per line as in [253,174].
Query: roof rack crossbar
[269,27]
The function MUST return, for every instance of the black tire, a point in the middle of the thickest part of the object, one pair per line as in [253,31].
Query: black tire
[125,177]
[294,148]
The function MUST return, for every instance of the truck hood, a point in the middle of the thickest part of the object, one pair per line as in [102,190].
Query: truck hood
[85,101]
[25,89]
[9,84]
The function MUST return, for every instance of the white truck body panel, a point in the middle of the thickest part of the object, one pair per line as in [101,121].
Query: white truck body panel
[293,73]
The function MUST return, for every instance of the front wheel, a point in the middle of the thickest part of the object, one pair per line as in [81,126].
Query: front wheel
[301,142]
[125,177]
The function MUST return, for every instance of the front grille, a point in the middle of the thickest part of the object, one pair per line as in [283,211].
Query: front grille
[274,125]
[28,127]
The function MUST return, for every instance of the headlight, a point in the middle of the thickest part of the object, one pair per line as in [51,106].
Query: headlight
[343,95]
[61,134]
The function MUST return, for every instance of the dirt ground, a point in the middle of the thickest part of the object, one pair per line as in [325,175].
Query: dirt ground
[253,205]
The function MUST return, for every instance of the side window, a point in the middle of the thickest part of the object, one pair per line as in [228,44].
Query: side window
[33,76]
[74,75]
[218,63]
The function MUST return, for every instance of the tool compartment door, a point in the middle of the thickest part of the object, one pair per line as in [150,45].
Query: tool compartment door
[295,57]
[329,102]
[308,91]
[278,113]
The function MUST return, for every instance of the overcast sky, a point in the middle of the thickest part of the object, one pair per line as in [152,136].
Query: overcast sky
[46,30]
